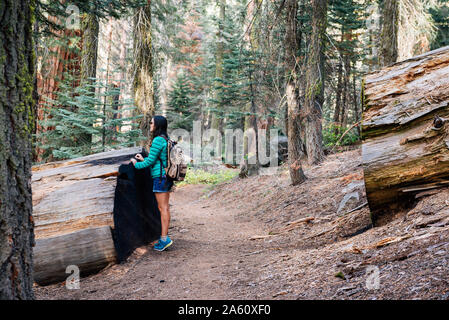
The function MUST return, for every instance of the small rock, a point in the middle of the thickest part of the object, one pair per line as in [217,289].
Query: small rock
[184,230]
[353,185]
[349,202]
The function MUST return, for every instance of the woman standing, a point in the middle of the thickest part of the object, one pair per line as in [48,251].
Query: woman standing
[157,161]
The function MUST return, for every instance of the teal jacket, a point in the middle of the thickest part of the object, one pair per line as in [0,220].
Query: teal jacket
[158,148]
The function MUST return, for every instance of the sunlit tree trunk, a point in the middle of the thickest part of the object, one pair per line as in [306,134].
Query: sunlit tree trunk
[16,123]
[88,68]
[389,34]
[143,69]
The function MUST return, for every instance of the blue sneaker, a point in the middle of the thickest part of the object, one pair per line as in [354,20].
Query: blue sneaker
[162,245]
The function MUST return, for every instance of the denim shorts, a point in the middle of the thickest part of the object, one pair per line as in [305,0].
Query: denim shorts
[162,184]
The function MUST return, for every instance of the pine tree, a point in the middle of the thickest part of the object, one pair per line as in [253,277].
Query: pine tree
[181,105]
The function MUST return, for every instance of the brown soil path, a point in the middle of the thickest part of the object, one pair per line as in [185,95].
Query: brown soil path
[211,246]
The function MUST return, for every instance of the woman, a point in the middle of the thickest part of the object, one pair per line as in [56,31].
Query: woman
[161,184]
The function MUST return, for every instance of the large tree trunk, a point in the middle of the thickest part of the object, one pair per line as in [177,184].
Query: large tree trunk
[88,65]
[143,69]
[315,83]
[404,149]
[73,203]
[16,123]
[390,32]
[295,150]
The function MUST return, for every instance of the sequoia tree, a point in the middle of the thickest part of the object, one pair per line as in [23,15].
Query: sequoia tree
[16,123]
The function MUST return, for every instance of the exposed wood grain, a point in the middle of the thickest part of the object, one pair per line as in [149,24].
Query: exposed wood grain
[77,194]
[90,250]
[73,203]
[403,149]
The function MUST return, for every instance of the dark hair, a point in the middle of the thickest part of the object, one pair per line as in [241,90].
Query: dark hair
[160,124]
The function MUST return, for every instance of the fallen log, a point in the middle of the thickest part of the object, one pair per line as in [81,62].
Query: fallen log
[73,204]
[405,130]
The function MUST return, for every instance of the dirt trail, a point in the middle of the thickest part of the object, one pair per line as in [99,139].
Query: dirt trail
[210,246]
[327,258]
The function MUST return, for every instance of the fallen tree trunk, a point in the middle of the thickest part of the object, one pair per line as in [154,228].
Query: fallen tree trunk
[405,131]
[73,203]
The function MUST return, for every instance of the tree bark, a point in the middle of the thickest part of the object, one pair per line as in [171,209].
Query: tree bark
[16,121]
[90,29]
[143,69]
[88,68]
[315,83]
[389,34]
[404,150]
[295,150]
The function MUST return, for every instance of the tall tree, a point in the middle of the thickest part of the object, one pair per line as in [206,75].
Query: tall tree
[389,35]
[16,123]
[295,150]
[314,94]
[143,69]
[88,68]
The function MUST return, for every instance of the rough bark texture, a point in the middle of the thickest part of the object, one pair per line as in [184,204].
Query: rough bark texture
[292,92]
[88,68]
[143,69]
[73,203]
[315,83]
[389,34]
[16,122]
[90,27]
[404,149]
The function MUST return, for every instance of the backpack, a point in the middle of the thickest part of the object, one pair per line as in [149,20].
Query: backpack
[176,164]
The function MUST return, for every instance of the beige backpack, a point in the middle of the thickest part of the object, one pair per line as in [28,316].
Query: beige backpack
[176,164]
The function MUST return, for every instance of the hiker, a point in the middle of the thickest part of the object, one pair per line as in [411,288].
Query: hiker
[161,183]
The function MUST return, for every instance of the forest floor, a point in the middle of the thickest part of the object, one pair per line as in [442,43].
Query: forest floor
[261,238]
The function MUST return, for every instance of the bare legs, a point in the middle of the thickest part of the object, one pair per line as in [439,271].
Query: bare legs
[162,203]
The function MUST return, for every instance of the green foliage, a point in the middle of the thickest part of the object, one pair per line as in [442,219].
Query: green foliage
[231,91]
[182,105]
[441,17]
[332,134]
[47,10]
[80,122]
[200,176]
